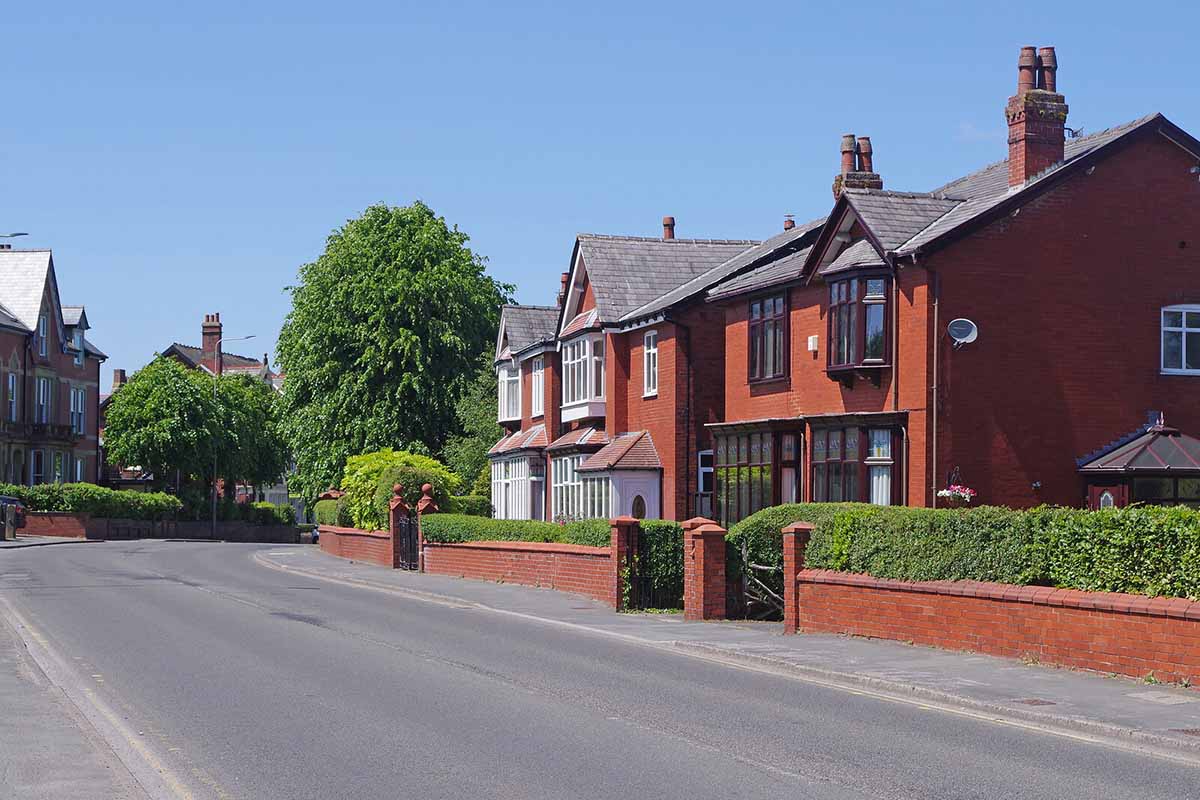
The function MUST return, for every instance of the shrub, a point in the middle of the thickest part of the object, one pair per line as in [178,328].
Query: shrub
[326,512]
[663,563]
[99,501]
[469,504]
[454,528]
[368,480]
[271,514]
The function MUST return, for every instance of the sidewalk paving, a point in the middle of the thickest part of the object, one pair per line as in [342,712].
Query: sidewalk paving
[1110,707]
[41,541]
[49,751]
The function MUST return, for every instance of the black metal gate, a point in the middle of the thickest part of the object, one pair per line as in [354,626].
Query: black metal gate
[405,534]
[650,587]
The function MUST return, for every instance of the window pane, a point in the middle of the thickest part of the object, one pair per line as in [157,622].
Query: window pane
[875,287]
[818,445]
[850,483]
[787,485]
[768,349]
[881,485]
[743,492]
[819,490]
[1172,319]
[835,446]
[788,447]
[755,310]
[1153,488]
[1192,351]
[1192,319]
[755,346]
[835,483]
[721,450]
[1189,488]
[881,443]
[743,449]
[1172,350]
[843,333]
[852,334]
[851,448]
[874,345]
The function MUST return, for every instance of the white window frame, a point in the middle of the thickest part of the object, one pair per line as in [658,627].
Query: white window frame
[79,465]
[12,396]
[650,364]
[42,334]
[78,347]
[1183,329]
[878,463]
[509,390]
[78,402]
[537,387]
[583,370]
[42,409]
[510,488]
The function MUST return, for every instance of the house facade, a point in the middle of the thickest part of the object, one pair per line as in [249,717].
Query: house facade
[49,389]
[1005,331]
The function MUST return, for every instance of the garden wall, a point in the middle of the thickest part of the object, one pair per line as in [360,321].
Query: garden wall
[1121,633]
[373,547]
[85,526]
[589,571]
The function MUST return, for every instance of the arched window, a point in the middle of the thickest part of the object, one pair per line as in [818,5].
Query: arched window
[639,507]
[1106,500]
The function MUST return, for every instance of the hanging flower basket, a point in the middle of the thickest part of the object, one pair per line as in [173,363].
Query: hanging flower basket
[957,496]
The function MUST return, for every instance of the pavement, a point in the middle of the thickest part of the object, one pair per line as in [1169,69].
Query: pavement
[1111,706]
[231,672]
[40,541]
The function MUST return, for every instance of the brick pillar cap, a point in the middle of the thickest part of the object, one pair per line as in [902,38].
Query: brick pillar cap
[696,522]
[709,529]
[624,521]
[799,527]
[397,500]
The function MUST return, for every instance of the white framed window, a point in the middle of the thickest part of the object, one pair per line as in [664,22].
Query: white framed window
[537,389]
[78,343]
[879,466]
[578,495]
[41,335]
[43,401]
[80,462]
[510,393]
[78,401]
[510,488]
[650,364]
[1180,327]
[12,397]
[583,370]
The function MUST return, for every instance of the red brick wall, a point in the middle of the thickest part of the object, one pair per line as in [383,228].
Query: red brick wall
[565,567]
[1121,633]
[53,523]
[1067,296]
[374,547]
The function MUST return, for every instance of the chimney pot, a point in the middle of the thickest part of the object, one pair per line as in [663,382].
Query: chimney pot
[848,145]
[864,154]
[1036,119]
[1047,69]
[1026,69]
[789,222]
[668,227]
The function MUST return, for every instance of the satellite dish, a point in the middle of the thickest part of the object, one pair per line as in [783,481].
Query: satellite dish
[962,331]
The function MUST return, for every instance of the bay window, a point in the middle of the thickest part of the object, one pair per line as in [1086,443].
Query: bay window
[853,465]
[1180,326]
[511,489]
[744,474]
[650,364]
[537,387]
[510,393]
[578,495]
[583,372]
[767,357]
[858,312]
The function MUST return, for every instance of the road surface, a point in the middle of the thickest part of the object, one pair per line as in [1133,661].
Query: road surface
[245,682]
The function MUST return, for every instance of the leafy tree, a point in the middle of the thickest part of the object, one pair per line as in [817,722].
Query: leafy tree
[163,420]
[250,445]
[385,331]
[466,453]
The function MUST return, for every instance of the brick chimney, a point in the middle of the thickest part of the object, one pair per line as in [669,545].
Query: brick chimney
[789,221]
[210,333]
[668,228]
[118,379]
[1037,116]
[858,167]
[562,289]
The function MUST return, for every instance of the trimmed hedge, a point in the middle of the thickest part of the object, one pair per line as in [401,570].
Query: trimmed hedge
[331,512]
[271,514]
[456,528]
[664,561]
[470,504]
[1147,550]
[99,501]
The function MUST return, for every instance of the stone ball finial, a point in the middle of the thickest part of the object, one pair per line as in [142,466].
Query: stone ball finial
[397,489]
[427,488]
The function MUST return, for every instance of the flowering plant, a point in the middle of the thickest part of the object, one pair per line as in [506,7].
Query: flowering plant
[954,491]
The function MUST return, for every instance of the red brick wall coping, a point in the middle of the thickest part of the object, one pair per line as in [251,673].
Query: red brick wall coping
[528,547]
[1116,602]
[353,532]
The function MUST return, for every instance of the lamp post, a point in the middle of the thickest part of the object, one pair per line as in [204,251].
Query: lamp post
[214,441]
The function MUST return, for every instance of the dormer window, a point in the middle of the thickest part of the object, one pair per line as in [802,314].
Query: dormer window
[583,377]
[41,335]
[510,394]
[858,331]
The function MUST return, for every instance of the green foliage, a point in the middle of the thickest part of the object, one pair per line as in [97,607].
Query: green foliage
[385,334]
[1146,550]
[663,563]
[331,512]
[271,514]
[452,528]
[368,480]
[482,486]
[250,444]
[99,501]
[466,453]
[469,504]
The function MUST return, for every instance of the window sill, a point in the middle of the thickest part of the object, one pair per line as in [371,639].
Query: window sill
[766,381]
[649,395]
[1195,373]
[872,371]
[503,420]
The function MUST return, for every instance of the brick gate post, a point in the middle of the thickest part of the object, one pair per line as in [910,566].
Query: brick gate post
[396,509]
[425,505]
[703,570]
[795,539]
[624,542]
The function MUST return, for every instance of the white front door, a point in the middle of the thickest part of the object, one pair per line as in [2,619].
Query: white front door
[637,494]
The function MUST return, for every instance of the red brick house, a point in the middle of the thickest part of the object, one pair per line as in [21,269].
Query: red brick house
[907,341]
[999,331]
[50,382]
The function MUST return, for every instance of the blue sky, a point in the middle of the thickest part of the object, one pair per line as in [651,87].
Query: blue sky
[182,163]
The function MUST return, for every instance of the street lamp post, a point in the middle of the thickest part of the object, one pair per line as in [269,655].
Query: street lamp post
[214,441]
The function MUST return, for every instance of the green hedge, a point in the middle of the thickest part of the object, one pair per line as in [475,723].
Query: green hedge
[99,501]
[664,561]
[271,514]
[470,504]
[455,528]
[331,512]
[1139,550]
[368,480]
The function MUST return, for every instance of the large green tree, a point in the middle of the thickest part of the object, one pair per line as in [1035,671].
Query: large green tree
[466,452]
[385,331]
[167,420]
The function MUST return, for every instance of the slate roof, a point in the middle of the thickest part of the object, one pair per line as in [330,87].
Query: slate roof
[92,350]
[860,254]
[1158,448]
[772,273]
[626,451]
[528,326]
[629,272]
[23,275]
[777,243]
[896,217]
[72,315]
[580,437]
[9,320]
[230,361]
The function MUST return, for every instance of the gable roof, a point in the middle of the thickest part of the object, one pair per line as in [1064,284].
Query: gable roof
[626,451]
[629,272]
[1152,448]
[772,273]
[860,254]
[74,315]
[895,217]
[23,275]
[525,327]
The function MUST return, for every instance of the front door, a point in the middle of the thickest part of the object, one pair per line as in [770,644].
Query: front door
[638,495]
[1108,495]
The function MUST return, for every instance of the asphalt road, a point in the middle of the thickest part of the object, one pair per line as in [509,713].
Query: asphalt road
[252,683]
